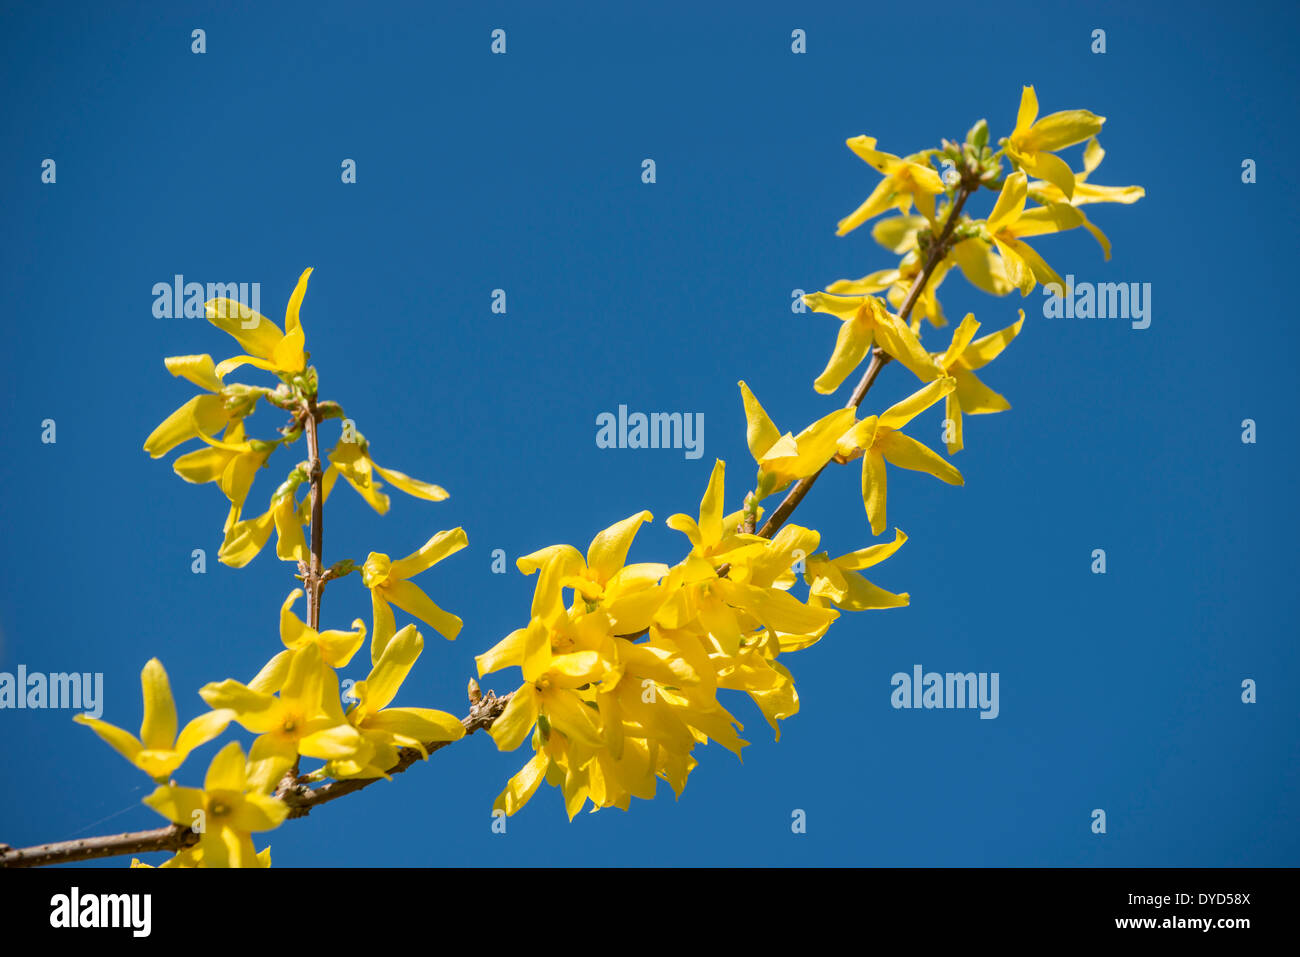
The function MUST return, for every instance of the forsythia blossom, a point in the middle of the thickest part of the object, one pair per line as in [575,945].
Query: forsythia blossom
[623,667]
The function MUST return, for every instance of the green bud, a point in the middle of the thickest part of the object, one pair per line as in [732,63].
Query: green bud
[978,135]
[330,410]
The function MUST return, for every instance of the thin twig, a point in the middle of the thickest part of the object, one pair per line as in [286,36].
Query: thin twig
[878,358]
[314,583]
[170,838]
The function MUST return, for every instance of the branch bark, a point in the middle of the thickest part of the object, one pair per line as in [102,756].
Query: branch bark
[314,583]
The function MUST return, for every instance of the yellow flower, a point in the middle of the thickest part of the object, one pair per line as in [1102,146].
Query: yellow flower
[159,750]
[244,539]
[878,440]
[783,459]
[386,729]
[203,414]
[905,181]
[1033,143]
[336,647]
[1085,193]
[230,807]
[727,609]
[627,594]
[864,318]
[305,718]
[352,460]
[963,356]
[714,534]
[896,284]
[231,461]
[836,580]
[982,266]
[549,691]
[272,350]
[1009,221]
[387,581]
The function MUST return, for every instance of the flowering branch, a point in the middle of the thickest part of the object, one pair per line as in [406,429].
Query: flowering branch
[938,251]
[607,715]
[300,798]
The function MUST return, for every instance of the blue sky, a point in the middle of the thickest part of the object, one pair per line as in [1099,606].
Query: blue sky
[522,172]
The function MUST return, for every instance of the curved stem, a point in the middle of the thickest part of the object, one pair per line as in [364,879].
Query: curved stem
[878,358]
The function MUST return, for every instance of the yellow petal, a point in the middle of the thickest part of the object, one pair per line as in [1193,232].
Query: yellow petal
[429,554]
[393,666]
[123,742]
[158,730]
[961,338]
[1051,168]
[981,268]
[522,786]
[875,204]
[1028,111]
[505,653]
[713,506]
[257,812]
[252,330]
[1010,203]
[905,452]
[178,805]
[952,412]
[760,433]
[203,465]
[874,489]
[422,725]
[227,366]
[291,543]
[515,723]
[1058,130]
[862,595]
[203,412]
[412,600]
[245,539]
[851,346]
[975,397]
[986,348]
[872,555]
[203,729]
[608,550]
[197,369]
[413,487]
[226,772]
[898,234]
[901,413]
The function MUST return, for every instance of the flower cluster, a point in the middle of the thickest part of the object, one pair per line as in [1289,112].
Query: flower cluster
[622,664]
[293,705]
